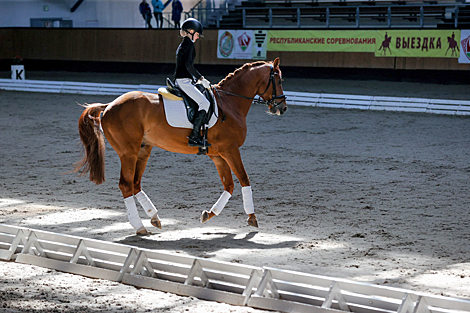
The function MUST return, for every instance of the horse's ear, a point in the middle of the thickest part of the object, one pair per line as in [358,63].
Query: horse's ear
[276,63]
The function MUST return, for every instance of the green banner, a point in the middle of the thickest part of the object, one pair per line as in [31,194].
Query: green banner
[384,43]
[327,40]
[418,43]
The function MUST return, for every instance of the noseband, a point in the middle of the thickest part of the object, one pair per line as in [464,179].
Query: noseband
[271,103]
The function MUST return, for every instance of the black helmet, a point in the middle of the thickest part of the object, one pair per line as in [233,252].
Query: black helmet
[192,23]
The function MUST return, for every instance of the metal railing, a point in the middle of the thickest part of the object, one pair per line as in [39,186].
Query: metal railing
[167,21]
[363,16]
[210,11]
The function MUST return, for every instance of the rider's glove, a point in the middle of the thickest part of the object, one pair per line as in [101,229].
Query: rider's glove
[205,83]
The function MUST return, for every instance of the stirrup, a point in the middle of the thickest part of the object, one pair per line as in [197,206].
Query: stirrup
[195,142]
[198,142]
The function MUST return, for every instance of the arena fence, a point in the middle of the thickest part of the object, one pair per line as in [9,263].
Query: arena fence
[232,283]
[325,100]
[439,106]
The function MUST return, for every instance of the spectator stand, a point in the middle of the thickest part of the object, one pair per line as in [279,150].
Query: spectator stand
[343,14]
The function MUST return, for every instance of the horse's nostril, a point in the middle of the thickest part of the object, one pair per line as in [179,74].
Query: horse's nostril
[284,109]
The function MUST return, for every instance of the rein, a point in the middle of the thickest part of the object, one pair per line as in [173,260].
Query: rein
[217,102]
[272,103]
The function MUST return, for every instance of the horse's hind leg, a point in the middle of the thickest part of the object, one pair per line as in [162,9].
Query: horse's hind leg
[145,202]
[126,141]
[226,177]
[126,184]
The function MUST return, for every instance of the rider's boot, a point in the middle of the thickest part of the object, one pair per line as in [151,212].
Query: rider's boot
[195,139]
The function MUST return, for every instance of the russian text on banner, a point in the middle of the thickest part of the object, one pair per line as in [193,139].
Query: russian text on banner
[322,41]
[418,43]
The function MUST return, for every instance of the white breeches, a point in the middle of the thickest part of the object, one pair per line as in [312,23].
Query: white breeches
[186,85]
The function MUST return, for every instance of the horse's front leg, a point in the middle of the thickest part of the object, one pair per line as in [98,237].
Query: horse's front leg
[226,177]
[234,160]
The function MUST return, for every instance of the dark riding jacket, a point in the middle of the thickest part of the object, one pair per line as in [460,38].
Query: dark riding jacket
[185,56]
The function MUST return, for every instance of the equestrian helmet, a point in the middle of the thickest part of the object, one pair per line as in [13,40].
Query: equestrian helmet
[192,23]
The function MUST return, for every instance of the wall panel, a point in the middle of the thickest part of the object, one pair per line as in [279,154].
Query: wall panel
[159,46]
[7,49]
[430,64]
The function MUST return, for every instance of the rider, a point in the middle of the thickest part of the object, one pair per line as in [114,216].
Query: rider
[186,75]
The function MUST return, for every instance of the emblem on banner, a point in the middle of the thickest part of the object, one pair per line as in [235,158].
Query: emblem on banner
[244,41]
[453,45]
[226,44]
[466,47]
[259,52]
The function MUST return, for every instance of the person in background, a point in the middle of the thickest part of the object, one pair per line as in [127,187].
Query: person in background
[158,12]
[176,13]
[146,13]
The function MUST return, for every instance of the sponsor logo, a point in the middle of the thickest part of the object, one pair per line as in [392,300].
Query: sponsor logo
[226,44]
[244,41]
[466,47]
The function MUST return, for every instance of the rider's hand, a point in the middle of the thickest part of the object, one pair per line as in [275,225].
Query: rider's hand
[205,83]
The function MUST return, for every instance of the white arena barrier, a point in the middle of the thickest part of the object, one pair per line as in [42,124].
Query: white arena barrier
[258,287]
[73,87]
[324,100]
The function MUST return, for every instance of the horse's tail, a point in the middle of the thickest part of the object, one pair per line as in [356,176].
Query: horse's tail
[89,127]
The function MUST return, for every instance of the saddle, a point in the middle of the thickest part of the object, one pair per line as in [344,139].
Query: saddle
[190,105]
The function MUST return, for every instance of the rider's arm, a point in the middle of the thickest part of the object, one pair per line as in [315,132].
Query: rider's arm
[191,55]
[190,65]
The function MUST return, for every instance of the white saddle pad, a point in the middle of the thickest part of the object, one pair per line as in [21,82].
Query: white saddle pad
[176,116]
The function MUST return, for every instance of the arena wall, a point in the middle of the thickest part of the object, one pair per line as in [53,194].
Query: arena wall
[159,46]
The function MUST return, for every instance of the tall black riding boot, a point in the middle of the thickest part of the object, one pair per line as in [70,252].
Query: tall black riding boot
[195,139]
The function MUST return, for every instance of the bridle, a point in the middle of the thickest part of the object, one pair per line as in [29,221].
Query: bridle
[271,103]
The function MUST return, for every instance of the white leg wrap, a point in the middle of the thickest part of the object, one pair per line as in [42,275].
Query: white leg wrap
[220,204]
[145,202]
[132,214]
[248,200]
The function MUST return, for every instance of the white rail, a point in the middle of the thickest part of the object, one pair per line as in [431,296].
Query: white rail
[72,87]
[236,284]
[454,107]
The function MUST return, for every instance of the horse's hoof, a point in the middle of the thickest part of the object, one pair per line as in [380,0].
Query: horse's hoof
[155,221]
[252,221]
[142,231]
[206,215]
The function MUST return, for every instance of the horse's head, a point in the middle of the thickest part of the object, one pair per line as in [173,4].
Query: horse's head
[273,95]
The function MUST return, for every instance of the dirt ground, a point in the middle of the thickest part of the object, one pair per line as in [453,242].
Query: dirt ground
[376,197]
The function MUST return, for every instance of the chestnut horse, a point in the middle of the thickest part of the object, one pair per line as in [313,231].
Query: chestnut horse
[135,122]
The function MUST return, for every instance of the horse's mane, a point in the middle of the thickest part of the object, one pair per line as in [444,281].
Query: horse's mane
[238,70]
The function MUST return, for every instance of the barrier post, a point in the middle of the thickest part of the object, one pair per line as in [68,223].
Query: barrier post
[18,72]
